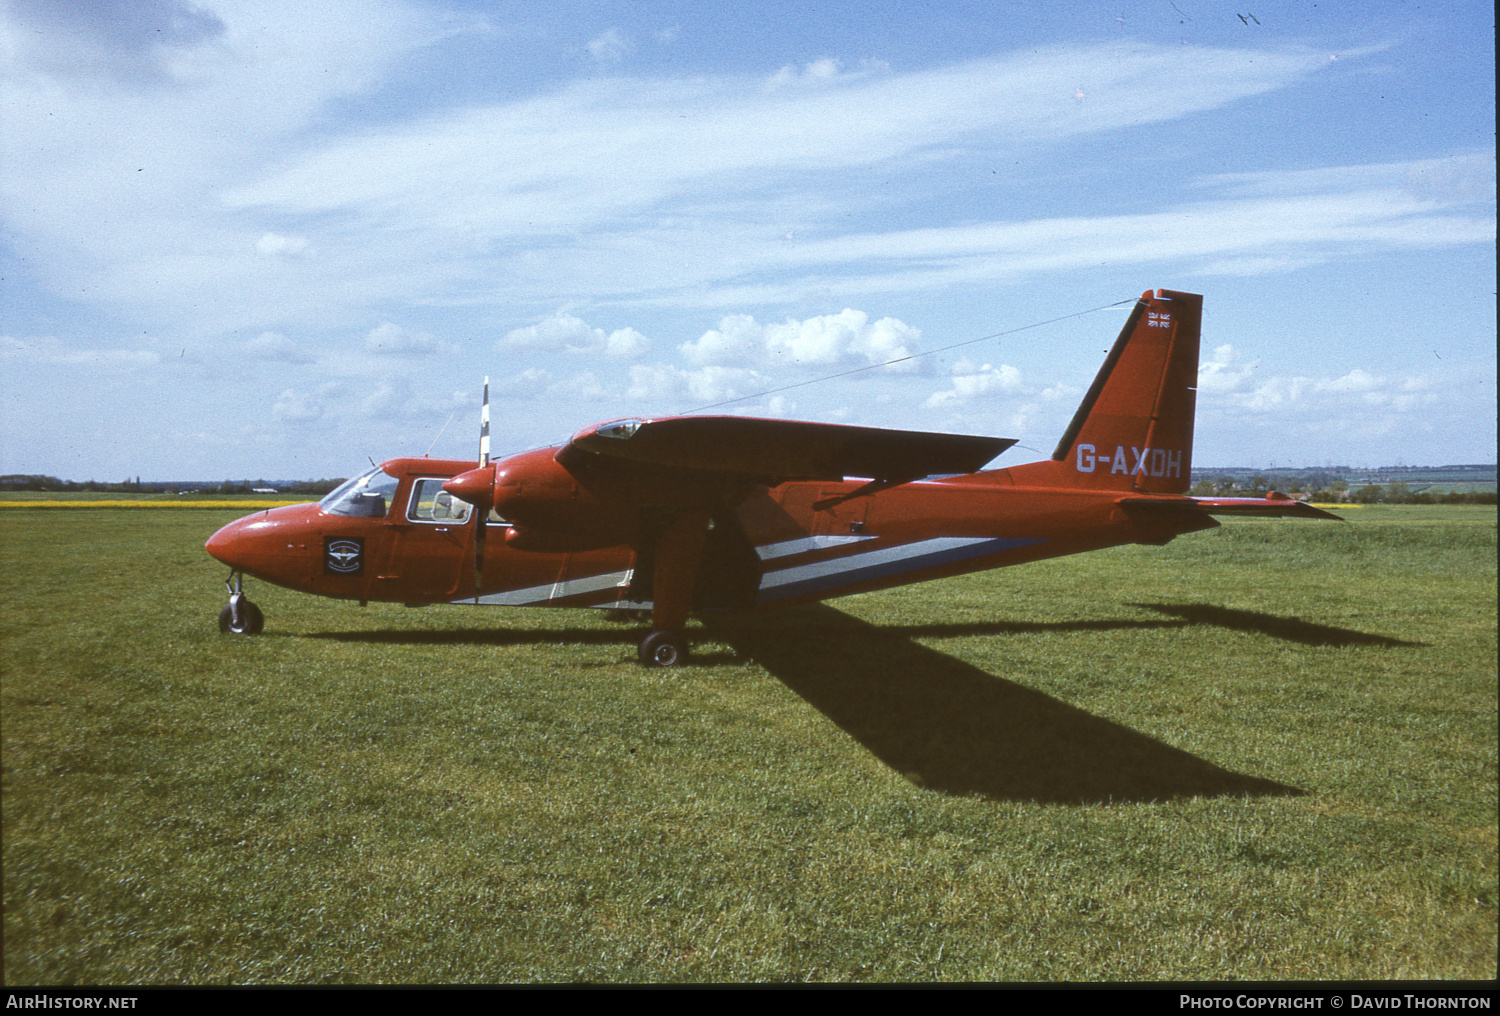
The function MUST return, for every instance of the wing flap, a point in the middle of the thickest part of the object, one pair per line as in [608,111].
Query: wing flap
[783,450]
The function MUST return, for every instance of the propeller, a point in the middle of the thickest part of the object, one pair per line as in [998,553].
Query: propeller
[477,487]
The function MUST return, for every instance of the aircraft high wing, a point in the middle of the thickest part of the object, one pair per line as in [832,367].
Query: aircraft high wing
[679,514]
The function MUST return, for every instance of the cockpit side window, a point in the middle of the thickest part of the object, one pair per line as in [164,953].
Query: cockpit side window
[366,496]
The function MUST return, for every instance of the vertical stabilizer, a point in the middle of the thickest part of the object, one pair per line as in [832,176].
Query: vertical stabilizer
[1134,428]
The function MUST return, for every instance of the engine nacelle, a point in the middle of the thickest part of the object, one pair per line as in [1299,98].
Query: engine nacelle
[585,505]
[551,511]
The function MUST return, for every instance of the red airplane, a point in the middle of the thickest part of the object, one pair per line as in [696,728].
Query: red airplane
[684,514]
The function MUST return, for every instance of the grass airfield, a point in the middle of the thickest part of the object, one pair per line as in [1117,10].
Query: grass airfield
[1263,752]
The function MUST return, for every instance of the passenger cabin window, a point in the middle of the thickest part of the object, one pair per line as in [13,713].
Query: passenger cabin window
[431,503]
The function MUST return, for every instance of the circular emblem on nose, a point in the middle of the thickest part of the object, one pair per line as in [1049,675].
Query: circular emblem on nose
[343,556]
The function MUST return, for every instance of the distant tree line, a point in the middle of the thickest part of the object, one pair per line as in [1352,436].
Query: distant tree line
[1324,489]
[1400,493]
[18,481]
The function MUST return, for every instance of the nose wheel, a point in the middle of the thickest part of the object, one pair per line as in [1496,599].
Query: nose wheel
[241,617]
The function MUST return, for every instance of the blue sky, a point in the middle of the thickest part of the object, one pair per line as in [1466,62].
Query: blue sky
[273,239]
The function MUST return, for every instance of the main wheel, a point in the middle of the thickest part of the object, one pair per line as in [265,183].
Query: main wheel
[664,649]
[252,621]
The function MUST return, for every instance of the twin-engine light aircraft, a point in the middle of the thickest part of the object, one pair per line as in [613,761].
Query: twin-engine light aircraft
[684,514]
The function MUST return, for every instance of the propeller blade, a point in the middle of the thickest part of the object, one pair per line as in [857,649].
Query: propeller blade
[477,487]
[484,427]
[482,511]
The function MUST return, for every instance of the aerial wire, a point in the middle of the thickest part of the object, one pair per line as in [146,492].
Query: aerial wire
[912,356]
[887,363]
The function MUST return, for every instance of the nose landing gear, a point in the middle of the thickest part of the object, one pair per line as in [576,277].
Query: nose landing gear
[241,617]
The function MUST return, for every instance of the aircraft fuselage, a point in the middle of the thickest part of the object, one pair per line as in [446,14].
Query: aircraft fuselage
[774,548]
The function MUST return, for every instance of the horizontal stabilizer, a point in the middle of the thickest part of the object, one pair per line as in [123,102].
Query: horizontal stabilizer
[1273,505]
[783,450]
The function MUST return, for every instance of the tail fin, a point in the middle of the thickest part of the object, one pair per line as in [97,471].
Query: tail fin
[1134,429]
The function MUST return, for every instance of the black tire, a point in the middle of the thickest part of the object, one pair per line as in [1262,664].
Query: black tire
[252,621]
[664,649]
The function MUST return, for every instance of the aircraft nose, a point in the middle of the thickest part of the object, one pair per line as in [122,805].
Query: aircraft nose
[276,545]
[228,544]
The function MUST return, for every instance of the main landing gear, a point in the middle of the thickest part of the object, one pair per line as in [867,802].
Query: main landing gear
[241,617]
[663,648]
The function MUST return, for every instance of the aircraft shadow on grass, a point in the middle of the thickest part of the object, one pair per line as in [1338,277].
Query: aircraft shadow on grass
[945,724]
[949,726]
[1293,629]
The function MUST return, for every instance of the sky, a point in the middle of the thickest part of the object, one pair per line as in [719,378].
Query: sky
[273,239]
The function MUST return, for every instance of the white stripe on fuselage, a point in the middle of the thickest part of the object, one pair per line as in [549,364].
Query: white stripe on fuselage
[826,575]
[797,580]
[535,595]
[804,545]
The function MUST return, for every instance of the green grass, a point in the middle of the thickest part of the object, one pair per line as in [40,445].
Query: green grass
[1263,752]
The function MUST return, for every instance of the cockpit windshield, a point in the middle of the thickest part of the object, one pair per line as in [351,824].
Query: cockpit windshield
[366,496]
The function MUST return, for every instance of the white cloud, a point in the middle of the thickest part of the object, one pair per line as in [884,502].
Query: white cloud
[596,156]
[1250,234]
[1223,372]
[384,399]
[670,384]
[821,72]
[1451,180]
[608,46]
[390,339]
[1227,385]
[531,383]
[564,332]
[53,351]
[1356,380]
[397,398]
[276,245]
[828,339]
[111,189]
[971,382]
[133,43]
[586,387]
[297,407]
[275,347]
[484,204]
